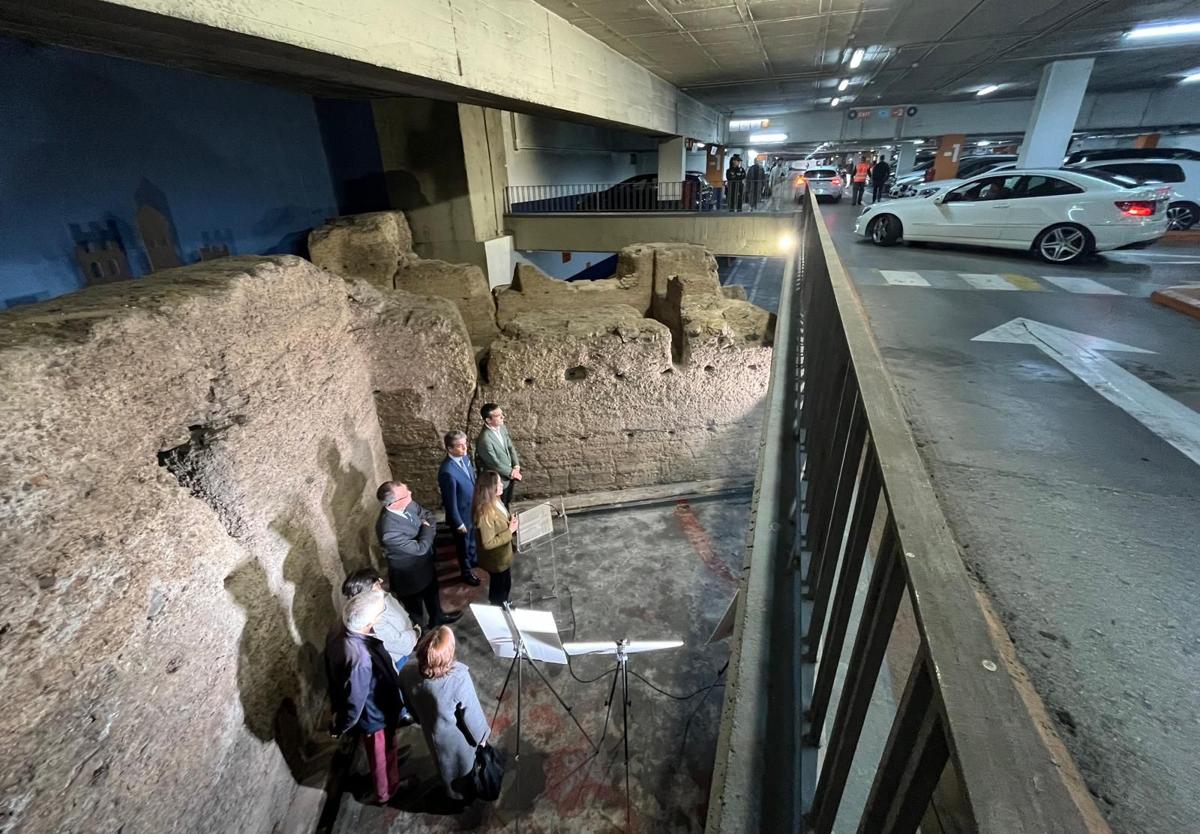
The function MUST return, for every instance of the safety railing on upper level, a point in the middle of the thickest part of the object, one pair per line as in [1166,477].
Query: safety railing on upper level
[691,195]
[897,682]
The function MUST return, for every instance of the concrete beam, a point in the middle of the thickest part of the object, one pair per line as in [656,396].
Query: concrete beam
[509,54]
[721,233]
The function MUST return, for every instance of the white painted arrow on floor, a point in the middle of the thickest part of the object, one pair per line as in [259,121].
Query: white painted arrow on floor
[1080,354]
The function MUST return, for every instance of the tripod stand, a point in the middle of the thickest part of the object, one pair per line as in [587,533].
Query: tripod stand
[622,649]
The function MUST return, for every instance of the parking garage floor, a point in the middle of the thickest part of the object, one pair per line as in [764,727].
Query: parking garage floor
[1082,523]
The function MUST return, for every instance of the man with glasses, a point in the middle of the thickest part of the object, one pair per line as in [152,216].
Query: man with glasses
[494,450]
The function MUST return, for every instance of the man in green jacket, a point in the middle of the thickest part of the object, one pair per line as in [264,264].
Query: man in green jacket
[494,450]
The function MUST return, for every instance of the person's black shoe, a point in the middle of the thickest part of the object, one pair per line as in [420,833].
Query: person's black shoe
[449,618]
[403,790]
[471,579]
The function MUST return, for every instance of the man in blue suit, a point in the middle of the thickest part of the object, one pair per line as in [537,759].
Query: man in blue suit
[456,480]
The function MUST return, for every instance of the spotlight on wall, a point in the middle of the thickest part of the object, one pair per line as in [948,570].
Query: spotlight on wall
[1164,30]
[845,82]
[787,242]
[835,102]
[857,58]
[988,90]
[768,138]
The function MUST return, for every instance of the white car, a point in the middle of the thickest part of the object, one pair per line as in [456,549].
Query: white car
[1062,215]
[822,182]
[1182,174]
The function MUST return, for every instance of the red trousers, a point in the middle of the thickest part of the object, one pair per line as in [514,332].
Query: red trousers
[381,757]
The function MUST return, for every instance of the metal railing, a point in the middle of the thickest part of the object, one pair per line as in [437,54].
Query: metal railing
[847,529]
[692,195]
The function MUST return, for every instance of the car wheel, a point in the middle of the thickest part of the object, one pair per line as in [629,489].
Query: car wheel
[1182,216]
[1063,244]
[885,230]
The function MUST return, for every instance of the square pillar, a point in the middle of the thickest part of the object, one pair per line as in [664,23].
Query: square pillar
[945,164]
[1055,112]
[906,158]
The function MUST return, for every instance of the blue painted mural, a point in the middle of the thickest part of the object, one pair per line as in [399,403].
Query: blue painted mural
[112,168]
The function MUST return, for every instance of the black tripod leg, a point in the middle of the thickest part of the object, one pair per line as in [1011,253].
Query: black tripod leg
[608,702]
[503,689]
[625,734]
[563,704]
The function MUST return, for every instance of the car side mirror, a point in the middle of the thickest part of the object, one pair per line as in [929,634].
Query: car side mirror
[939,199]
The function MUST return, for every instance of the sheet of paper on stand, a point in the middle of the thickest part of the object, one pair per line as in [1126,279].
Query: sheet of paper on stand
[536,523]
[536,627]
[612,646]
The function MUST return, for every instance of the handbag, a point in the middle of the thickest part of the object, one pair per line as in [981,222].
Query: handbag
[483,782]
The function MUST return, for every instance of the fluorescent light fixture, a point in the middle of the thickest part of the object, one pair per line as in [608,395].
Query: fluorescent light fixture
[1164,30]
[843,85]
[857,58]
[1190,79]
[835,102]
[988,90]
[768,138]
[748,124]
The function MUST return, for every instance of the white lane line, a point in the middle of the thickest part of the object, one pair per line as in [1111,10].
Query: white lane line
[986,281]
[903,279]
[1078,284]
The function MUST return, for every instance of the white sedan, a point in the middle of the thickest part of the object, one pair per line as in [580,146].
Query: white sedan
[1062,215]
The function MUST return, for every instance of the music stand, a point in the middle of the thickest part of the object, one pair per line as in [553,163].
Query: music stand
[536,528]
[524,635]
[622,649]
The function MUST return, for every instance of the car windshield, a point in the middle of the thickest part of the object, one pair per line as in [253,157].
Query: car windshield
[820,174]
[1112,179]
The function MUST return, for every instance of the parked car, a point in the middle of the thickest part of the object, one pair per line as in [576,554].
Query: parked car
[1109,154]
[969,166]
[822,182]
[930,188]
[1062,215]
[641,193]
[1180,171]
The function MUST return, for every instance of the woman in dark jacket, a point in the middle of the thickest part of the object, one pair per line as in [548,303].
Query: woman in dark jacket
[494,529]
[440,691]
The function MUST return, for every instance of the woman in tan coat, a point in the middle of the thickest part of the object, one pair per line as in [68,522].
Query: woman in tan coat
[494,528]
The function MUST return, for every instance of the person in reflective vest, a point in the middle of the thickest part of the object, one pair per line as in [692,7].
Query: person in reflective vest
[861,172]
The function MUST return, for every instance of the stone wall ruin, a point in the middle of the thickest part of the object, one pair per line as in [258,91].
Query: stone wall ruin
[187,470]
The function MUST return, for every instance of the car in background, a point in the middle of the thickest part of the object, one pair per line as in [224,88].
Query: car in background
[642,193]
[911,185]
[1180,171]
[1109,154]
[930,188]
[823,182]
[1062,215]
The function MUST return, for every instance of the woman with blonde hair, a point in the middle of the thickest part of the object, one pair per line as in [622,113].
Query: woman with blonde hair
[440,691]
[494,528]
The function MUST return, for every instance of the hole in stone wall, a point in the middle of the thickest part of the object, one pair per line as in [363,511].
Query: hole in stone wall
[620,375]
[188,462]
[709,369]
[529,380]
[577,373]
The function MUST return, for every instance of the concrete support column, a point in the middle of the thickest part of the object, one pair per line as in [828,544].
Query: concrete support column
[945,164]
[1054,113]
[672,159]
[1147,140]
[906,158]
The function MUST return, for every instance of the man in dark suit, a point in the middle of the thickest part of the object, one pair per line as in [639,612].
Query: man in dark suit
[406,530]
[456,480]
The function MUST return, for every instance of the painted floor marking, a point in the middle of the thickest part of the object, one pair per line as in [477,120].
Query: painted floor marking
[1023,282]
[1078,284]
[986,281]
[903,279]
[698,537]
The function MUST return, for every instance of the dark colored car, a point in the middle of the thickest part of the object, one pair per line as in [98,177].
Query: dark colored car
[641,193]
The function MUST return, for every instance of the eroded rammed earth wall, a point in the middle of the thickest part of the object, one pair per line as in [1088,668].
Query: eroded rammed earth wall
[187,469]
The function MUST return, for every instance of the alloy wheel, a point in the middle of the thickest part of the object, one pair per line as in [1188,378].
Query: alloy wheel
[1063,244]
[1180,217]
[879,231]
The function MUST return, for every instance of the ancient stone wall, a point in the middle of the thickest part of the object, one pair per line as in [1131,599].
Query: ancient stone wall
[377,248]
[187,469]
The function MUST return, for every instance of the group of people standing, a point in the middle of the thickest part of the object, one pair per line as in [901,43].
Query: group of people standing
[383,672]
[877,172]
[746,185]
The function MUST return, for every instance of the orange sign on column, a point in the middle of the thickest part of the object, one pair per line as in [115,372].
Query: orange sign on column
[945,164]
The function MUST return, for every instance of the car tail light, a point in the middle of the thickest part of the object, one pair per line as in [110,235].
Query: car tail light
[836,181]
[1137,208]
[800,179]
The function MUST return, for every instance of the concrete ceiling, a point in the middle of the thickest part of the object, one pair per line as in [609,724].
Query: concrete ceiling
[764,57]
